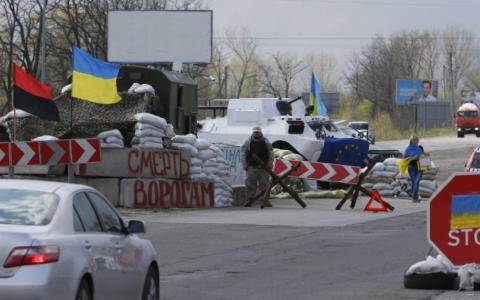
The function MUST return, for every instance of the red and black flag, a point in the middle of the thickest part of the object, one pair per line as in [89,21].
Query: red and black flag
[32,96]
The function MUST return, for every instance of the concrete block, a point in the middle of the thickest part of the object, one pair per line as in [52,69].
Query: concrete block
[166,193]
[134,163]
[37,170]
[109,187]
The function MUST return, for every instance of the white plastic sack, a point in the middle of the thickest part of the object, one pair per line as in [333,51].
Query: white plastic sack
[185,139]
[384,174]
[428,266]
[45,138]
[393,169]
[141,126]
[378,167]
[387,193]
[293,156]
[428,184]
[202,144]
[151,119]
[206,154]
[66,88]
[382,186]
[468,274]
[195,161]
[192,151]
[114,140]
[143,140]
[114,132]
[133,87]
[149,133]
[195,170]
[391,161]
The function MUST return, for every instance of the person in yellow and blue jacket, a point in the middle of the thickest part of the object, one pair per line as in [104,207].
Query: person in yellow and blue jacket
[412,154]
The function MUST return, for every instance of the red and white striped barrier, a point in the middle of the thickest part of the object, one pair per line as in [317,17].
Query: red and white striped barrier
[318,171]
[76,151]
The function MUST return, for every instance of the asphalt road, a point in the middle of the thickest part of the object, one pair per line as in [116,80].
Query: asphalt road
[293,253]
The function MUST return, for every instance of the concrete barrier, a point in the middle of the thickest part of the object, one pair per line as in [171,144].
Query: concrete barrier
[136,163]
[165,193]
[59,170]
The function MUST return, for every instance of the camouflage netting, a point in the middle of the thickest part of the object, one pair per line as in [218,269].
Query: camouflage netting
[88,119]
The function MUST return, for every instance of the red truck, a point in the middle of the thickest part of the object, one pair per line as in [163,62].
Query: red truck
[467,120]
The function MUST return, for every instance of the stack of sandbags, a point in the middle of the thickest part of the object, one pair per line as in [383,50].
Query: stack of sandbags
[149,131]
[111,139]
[385,178]
[207,163]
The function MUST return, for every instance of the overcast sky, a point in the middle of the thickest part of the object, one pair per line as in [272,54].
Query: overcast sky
[337,26]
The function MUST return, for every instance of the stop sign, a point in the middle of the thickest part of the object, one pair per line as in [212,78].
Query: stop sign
[454,219]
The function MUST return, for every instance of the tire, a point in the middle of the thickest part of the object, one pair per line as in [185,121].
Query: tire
[151,288]
[460,134]
[433,281]
[477,133]
[84,291]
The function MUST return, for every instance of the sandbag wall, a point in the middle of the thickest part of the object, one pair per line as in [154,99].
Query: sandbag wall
[385,178]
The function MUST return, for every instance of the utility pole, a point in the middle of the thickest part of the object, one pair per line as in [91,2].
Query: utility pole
[225,87]
[452,90]
[42,49]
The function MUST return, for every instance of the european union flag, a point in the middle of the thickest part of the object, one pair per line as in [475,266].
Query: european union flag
[344,151]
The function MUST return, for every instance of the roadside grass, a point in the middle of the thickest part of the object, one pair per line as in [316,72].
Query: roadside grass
[387,134]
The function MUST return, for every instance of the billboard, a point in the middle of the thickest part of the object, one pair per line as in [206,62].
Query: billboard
[413,91]
[164,36]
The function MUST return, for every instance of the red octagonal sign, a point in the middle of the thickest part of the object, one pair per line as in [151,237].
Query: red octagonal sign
[454,219]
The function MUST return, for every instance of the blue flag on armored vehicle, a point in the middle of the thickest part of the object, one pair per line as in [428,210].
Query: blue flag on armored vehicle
[315,99]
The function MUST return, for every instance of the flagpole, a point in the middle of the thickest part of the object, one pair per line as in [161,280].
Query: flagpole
[11,171]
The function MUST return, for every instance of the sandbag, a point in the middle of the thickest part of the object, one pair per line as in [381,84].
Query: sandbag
[428,184]
[185,139]
[192,151]
[152,139]
[392,168]
[114,132]
[202,144]
[45,138]
[282,153]
[111,146]
[367,185]
[378,167]
[195,161]
[114,140]
[195,170]
[391,161]
[382,186]
[149,145]
[142,126]
[387,193]
[151,119]
[385,174]
[206,154]
[149,133]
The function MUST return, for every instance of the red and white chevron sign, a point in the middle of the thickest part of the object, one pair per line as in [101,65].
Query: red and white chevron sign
[318,171]
[55,152]
[77,151]
[85,151]
[25,153]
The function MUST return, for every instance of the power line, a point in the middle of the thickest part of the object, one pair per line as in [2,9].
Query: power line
[393,3]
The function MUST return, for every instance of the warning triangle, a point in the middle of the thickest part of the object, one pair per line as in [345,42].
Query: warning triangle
[376,198]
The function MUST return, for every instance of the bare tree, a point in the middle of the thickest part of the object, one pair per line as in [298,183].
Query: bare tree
[279,73]
[324,65]
[243,60]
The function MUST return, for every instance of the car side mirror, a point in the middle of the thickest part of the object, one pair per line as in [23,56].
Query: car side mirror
[136,226]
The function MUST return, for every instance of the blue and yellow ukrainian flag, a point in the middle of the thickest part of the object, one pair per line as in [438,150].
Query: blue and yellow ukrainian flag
[465,212]
[94,80]
[315,100]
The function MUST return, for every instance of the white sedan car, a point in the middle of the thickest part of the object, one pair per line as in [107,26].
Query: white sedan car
[65,241]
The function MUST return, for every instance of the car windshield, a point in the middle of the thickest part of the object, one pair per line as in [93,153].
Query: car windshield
[467,113]
[359,126]
[21,207]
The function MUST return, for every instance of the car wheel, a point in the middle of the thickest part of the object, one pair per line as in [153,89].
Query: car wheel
[151,290]
[84,291]
[432,281]
[477,133]
[460,134]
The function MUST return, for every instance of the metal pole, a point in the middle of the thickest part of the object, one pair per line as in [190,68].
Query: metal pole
[226,83]
[451,79]
[43,54]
